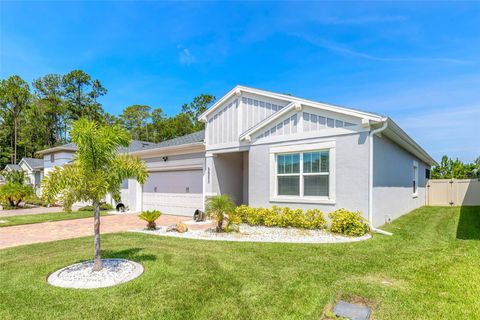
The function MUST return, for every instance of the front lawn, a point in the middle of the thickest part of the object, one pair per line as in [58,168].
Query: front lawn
[429,269]
[45,217]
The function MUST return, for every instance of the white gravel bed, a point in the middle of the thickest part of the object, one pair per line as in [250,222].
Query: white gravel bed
[81,275]
[261,234]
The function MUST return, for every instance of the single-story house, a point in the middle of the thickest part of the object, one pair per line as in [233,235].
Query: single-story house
[266,149]
[33,169]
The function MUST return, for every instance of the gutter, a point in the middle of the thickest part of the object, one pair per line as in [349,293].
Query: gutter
[370,179]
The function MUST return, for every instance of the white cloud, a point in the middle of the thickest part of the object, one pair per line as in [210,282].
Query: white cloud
[186,57]
[344,50]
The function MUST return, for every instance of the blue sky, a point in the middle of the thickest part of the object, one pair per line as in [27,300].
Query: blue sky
[418,63]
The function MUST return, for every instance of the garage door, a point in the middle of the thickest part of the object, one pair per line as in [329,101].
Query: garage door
[176,192]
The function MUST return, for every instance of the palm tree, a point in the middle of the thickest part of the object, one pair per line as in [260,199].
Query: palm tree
[97,169]
[220,207]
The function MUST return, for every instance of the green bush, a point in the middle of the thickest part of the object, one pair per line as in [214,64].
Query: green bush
[150,217]
[348,223]
[282,217]
[13,193]
[103,207]
[34,201]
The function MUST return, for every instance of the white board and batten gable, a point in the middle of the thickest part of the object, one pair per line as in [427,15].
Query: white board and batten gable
[246,116]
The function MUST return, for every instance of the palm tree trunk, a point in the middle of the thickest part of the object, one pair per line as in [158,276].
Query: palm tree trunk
[97,260]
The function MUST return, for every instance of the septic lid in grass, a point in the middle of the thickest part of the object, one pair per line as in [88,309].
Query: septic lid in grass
[352,311]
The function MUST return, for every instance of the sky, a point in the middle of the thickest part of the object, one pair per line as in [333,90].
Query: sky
[418,63]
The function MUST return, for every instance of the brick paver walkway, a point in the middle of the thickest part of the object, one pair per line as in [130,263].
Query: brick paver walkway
[51,231]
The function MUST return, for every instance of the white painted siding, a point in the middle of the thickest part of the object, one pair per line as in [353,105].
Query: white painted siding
[223,125]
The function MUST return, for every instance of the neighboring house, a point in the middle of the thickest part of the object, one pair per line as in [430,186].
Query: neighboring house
[11,167]
[33,169]
[266,149]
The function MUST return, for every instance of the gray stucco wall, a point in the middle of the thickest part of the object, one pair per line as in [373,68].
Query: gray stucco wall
[351,176]
[227,175]
[392,181]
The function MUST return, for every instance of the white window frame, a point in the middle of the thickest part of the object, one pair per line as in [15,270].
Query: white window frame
[291,149]
[415,179]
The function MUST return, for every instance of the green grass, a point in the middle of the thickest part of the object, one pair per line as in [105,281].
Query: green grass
[45,217]
[429,269]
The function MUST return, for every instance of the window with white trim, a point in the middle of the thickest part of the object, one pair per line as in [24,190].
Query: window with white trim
[415,178]
[303,174]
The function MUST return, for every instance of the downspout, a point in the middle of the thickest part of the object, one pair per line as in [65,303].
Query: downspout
[370,180]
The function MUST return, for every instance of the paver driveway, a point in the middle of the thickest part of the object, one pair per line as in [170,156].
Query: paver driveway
[51,231]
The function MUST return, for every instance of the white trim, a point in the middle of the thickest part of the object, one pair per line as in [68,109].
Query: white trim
[288,98]
[180,149]
[175,168]
[324,133]
[327,145]
[266,121]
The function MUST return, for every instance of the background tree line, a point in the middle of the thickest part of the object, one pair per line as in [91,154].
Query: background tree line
[456,169]
[38,116]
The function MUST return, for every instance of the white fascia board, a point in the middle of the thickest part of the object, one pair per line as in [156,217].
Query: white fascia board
[180,149]
[20,164]
[55,149]
[287,98]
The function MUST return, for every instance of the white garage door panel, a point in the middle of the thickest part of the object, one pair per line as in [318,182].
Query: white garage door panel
[177,181]
[183,204]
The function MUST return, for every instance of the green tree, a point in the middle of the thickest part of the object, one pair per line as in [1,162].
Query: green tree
[50,102]
[97,169]
[455,169]
[135,119]
[14,99]
[81,93]
[195,108]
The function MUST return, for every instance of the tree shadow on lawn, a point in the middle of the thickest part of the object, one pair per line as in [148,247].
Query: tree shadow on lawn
[469,223]
[130,254]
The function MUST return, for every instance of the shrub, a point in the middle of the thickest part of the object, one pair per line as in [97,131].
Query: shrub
[150,217]
[103,207]
[220,208]
[314,219]
[13,193]
[34,201]
[348,222]
[282,217]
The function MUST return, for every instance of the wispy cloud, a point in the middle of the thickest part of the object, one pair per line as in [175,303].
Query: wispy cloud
[186,57]
[362,20]
[344,50]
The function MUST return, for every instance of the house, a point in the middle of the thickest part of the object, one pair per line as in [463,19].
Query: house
[33,169]
[266,149]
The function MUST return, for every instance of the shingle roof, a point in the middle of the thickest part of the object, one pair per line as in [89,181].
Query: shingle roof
[137,145]
[198,136]
[12,166]
[34,163]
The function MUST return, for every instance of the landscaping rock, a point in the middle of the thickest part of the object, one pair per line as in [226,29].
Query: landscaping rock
[81,275]
[179,227]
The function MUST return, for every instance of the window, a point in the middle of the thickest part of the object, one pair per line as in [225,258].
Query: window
[52,157]
[427,173]
[415,179]
[303,174]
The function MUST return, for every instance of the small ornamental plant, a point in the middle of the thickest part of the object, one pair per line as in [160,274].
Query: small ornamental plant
[221,208]
[150,217]
[348,223]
